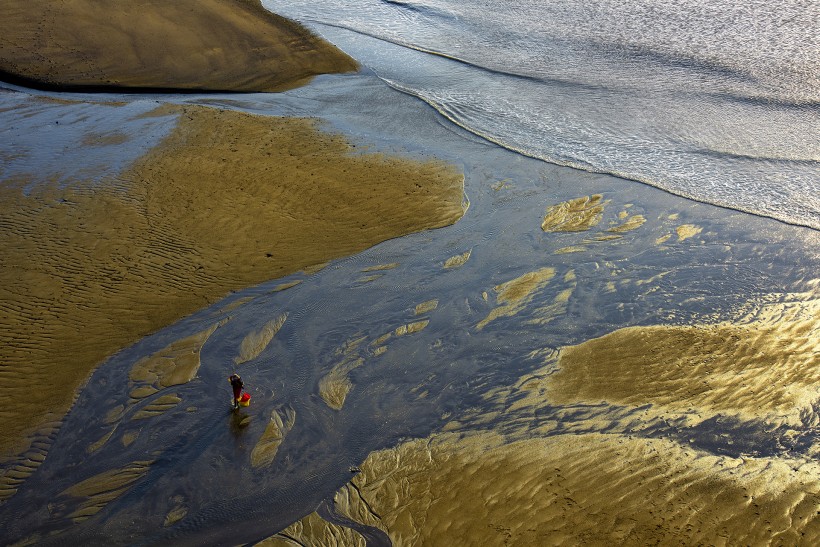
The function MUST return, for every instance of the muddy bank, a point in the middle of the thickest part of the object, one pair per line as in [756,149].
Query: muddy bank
[229,45]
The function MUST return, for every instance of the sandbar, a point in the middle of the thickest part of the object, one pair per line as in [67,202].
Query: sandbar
[226,45]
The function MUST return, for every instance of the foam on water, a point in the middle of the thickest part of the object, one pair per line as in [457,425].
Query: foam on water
[715,101]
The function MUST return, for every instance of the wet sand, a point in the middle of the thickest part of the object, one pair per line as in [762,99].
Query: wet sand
[228,200]
[565,490]
[518,484]
[765,369]
[231,45]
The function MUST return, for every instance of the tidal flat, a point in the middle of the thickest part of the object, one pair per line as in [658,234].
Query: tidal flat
[495,348]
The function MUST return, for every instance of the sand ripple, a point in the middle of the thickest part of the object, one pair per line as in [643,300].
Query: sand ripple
[570,489]
[562,464]
[763,369]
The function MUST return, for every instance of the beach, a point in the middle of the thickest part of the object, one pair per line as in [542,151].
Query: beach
[444,339]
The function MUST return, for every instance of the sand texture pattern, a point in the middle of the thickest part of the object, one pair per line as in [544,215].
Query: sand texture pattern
[588,489]
[768,368]
[99,491]
[226,45]
[515,294]
[227,201]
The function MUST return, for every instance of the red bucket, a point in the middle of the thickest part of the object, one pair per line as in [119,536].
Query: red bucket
[245,400]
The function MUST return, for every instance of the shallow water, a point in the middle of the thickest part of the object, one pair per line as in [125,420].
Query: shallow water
[716,101]
[41,134]
[177,465]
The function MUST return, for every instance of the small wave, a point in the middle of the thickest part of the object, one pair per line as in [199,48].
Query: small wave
[806,217]
[421,49]
[723,154]
[420,9]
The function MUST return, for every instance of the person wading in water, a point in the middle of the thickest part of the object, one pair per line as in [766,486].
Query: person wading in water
[237,385]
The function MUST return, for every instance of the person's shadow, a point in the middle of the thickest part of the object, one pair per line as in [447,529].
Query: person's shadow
[239,422]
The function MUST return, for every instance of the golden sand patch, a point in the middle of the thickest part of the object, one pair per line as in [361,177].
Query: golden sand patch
[208,44]
[314,268]
[101,442]
[281,422]
[129,437]
[98,491]
[158,406]
[335,385]
[602,237]
[382,339]
[685,231]
[580,489]
[515,294]
[381,267]
[768,368]
[426,307]
[255,342]
[458,260]
[238,303]
[176,364]
[411,328]
[285,286]
[176,514]
[228,200]
[575,215]
[570,249]
[631,223]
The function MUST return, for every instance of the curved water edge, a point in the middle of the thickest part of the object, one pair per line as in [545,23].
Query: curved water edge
[690,98]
